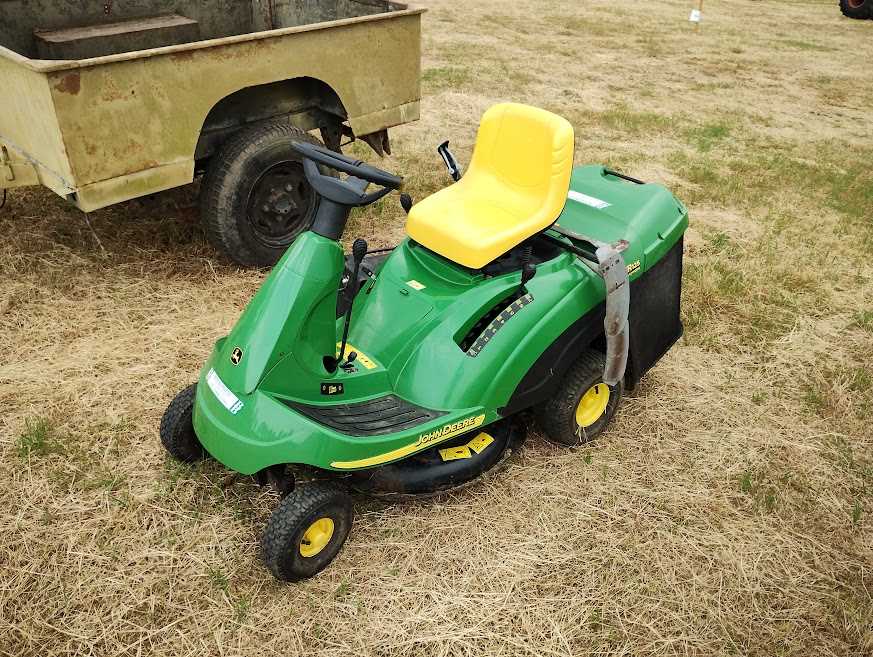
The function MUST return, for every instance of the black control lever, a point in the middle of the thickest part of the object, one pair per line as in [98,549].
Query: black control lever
[449,159]
[406,202]
[359,250]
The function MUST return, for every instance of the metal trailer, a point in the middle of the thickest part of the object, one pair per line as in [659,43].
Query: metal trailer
[107,101]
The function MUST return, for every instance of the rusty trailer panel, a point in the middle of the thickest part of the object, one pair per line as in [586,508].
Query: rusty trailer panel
[104,130]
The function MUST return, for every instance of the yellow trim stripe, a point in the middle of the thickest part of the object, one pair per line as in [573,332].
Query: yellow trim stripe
[422,442]
[479,444]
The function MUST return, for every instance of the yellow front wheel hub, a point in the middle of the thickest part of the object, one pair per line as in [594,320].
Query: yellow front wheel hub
[316,537]
[592,405]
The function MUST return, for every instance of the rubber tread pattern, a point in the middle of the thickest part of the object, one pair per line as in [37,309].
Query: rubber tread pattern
[177,429]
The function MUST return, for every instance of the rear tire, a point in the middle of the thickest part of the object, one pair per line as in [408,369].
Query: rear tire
[177,428]
[857,8]
[306,531]
[255,199]
[568,420]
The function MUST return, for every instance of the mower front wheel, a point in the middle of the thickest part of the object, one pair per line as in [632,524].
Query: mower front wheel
[306,531]
[177,428]
[583,405]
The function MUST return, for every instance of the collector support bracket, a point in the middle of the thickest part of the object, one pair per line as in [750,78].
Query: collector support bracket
[615,324]
[610,265]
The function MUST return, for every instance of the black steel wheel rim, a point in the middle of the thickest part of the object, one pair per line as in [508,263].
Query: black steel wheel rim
[280,204]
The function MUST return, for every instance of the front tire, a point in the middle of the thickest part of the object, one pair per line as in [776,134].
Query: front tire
[177,428]
[857,8]
[583,405]
[255,199]
[306,531]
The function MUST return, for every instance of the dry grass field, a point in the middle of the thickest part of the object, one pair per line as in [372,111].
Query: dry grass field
[729,510]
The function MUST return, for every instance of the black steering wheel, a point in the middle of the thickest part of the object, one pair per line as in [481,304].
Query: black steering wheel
[352,190]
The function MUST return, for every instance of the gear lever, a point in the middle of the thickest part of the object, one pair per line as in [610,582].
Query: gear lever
[359,250]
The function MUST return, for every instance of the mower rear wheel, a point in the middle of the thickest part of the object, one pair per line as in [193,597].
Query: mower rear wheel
[177,428]
[306,531]
[857,8]
[583,405]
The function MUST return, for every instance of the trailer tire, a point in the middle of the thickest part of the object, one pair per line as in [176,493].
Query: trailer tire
[255,199]
[857,8]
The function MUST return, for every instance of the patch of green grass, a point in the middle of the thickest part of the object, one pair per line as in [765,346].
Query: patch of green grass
[833,91]
[864,320]
[445,77]
[815,399]
[762,492]
[840,391]
[241,609]
[796,44]
[860,380]
[580,26]
[631,122]
[709,135]
[857,510]
[218,579]
[719,242]
[342,590]
[37,439]
[107,480]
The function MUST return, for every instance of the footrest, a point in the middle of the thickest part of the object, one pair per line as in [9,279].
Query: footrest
[113,38]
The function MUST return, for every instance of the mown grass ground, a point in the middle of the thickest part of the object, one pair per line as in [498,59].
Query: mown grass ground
[727,511]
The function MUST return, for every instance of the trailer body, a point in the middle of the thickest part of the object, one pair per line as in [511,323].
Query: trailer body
[98,123]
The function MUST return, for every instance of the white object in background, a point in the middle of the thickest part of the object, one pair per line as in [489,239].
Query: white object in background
[695,16]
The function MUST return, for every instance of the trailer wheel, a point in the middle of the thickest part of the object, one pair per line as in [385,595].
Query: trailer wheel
[583,405]
[255,199]
[856,8]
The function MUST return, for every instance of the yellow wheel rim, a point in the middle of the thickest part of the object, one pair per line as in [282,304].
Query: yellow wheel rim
[592,405]
[316,537]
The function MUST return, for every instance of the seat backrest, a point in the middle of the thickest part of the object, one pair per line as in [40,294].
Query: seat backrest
[515,187]
[528,150]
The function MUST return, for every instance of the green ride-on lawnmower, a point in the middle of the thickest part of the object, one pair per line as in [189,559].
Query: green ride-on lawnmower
[527,284]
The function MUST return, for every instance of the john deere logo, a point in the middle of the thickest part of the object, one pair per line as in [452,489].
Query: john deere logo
[236,355]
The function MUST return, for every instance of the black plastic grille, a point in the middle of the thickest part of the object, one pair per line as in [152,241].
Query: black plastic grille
[370,418]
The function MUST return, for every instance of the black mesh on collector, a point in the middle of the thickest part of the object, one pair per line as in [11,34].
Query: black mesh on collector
[654,319]
[370,418]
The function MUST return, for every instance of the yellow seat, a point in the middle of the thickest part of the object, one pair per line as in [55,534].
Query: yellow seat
[515,187]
